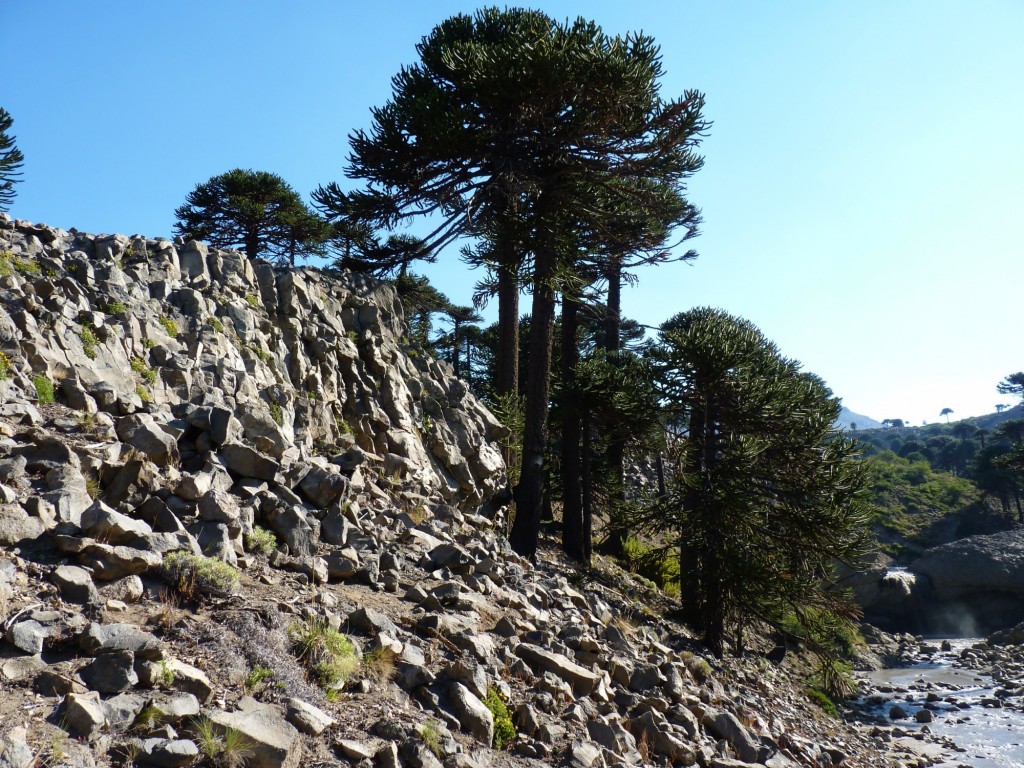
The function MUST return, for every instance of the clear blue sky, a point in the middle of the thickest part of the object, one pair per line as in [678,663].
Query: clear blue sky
[863,193]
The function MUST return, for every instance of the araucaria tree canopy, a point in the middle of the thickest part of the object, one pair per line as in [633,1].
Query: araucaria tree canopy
[531,133]
[765,495]
[255,211]
[11,160]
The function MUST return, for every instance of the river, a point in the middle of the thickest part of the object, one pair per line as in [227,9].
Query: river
[968,707]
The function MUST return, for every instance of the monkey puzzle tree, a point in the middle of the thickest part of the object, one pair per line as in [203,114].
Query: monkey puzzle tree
[11,160]
[766,495]
[510,122]
[255,211]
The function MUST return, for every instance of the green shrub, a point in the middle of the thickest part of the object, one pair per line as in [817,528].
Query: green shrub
[143,394]
[823,701]
[329,656]
[252,300]
[257,677]
[504,729]
[5,263]
[656,564]
[261,541]
[222,746]
[193,574]
[89,341]
[343,426]
[148,343]
[5,366]
[217,325]
[170,326]
[430,733]
[45,393]
[27,267]
[277,414]
[116,308]
[138,365]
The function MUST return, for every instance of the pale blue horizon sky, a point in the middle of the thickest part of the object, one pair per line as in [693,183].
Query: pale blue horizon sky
[862,191]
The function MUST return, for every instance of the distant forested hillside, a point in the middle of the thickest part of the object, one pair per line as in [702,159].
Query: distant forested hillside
[942,482]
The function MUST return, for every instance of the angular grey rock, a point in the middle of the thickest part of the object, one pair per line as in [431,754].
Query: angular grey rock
[248,462]
[218,506]
[140,431]
[101,522]
[583,681]
[372,621]
[123,709]
[108,563]
[14,749]
[27,636]
[17,527]
[275,742]
[584,754]
[323,487]
[104,638]
[308,718]
[112,672]
[84,713]
[190,679]
[475,718]
[725,725]
[166,753]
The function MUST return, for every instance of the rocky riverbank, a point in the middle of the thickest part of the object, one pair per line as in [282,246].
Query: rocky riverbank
[244,523]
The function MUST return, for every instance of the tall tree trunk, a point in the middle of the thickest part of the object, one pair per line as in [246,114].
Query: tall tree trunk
[508,323]
[587,487]
[252,243]
[616,451]
[572,509]
[613,311]
[455,347]
[530,491]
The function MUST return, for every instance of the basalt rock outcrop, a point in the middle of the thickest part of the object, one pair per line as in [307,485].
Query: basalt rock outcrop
[206,361]
[961,589]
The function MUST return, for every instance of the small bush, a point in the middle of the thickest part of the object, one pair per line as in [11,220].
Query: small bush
[116,308]
[148,343]
[823,701]
[5,263]
[139,366]
[217,325]
[5,366]
[343,426]
[261,541]
[143,394]
[170,326]
[222,746]
[167,675]
[28,267]
[379,665]
[257,677]
[504,729]
[430,733]
[93,488]
[698,667]
[194,574]
[252,300]
[330,656]
[89,341]
[277,414]
[655,564]
[45,393]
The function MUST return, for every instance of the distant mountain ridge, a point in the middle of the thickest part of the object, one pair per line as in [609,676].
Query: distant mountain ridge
[847,417]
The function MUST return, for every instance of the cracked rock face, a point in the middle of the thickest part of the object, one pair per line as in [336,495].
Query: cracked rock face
[194,351]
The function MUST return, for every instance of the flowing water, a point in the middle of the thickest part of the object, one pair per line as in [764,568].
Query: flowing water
[966,708]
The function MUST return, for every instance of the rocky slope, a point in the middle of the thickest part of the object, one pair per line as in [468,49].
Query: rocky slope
[248,531]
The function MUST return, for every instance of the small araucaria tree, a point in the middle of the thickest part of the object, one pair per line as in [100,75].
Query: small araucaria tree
[766,495]
[11,161]
[255,211]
